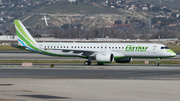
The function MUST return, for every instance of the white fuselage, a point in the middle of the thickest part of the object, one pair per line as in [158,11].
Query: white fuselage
[138,50]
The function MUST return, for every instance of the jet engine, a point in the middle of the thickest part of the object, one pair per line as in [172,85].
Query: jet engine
[104,57]
[124,60]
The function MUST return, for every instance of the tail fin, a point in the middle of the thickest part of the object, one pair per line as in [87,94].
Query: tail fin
[24,37]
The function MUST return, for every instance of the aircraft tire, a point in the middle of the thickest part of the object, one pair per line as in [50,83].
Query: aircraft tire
[157,64]
[87,63]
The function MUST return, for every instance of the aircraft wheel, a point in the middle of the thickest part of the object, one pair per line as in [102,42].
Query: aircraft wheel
[87,63]
[157,64]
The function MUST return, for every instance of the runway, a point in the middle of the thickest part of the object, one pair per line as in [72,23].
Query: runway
[118,72]
[36,56]
[75,84]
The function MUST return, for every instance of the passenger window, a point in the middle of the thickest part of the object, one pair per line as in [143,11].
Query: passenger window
[57,46]
[109,47]
[94,47]
[54,46]
[119,47]
[67,46]
[72,47]
[51,46]
[44,46]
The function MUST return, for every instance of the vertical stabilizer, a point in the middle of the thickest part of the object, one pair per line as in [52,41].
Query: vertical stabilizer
[24,37]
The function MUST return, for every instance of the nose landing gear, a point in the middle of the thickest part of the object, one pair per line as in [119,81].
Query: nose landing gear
[157,62]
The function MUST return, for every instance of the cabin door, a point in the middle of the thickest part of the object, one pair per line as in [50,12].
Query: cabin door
[154,49]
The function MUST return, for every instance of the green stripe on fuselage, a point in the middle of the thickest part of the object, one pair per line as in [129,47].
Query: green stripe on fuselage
[169,50]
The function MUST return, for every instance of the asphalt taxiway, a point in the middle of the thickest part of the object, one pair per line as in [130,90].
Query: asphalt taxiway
[125,83]
[96,72]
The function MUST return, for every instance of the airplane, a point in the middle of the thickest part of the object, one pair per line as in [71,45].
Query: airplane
[101,52]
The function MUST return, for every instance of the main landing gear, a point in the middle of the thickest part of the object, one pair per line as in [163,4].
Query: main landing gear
[157,62]
[88,62]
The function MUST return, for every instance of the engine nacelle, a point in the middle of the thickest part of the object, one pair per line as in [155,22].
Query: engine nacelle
[104,58]
[124,60]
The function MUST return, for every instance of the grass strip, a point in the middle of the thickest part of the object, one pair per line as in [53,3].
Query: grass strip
[9,48]
[176,49]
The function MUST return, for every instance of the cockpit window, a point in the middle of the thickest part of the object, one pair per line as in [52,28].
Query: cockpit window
[165,47]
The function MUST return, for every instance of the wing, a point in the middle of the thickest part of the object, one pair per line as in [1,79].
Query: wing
[82,52]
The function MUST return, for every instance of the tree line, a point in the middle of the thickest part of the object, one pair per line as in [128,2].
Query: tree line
[122,33]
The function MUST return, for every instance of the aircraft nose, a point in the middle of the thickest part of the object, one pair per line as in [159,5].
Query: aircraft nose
[171,53]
